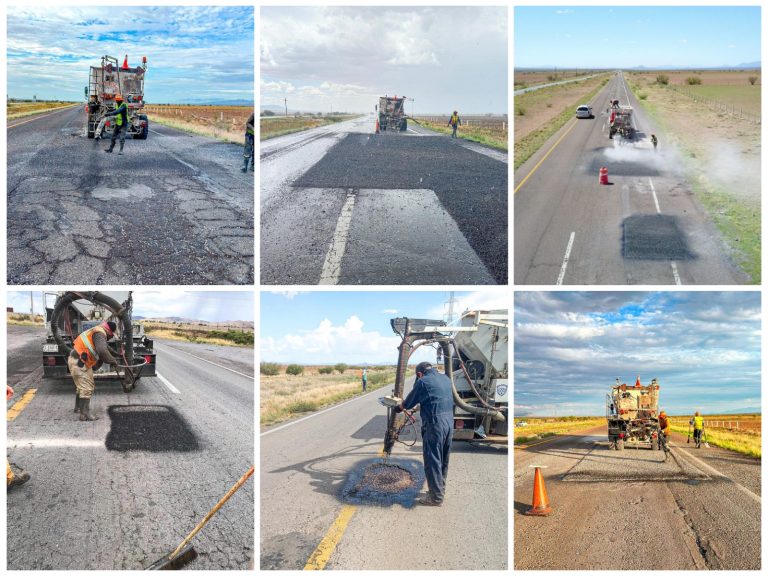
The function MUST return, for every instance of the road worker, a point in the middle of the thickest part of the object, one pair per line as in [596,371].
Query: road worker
[432,390]
[454,122]
[121,123]
[15,476]
[654,141]
[698,427]
[90,351]
[249,147]
[664,423]
[364,377]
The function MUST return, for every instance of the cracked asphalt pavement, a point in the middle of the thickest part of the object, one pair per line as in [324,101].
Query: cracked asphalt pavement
[342,205]
[120,493]
[631,510]
[173,209]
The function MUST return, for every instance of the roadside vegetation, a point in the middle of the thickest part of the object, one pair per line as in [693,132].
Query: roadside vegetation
[540,114]
[530,78]
[720,148]
[273,126]
[740,433]
[540,428]
[205,334]
[287,391]
[225,123]
[21,108]
[20,319]
[492,134]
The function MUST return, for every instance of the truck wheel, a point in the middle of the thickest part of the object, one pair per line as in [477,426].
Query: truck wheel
[91,134]
[404,126]
[619,444]
[655,444]
[145,130]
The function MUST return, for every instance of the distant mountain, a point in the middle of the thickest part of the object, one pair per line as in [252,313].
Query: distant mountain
[748,410]
[745,66]
[204,102]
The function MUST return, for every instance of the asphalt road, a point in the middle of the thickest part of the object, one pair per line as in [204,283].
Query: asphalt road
[631,510]
[121,492]
[646,227]
[174,209]
[341,205]
[306,465]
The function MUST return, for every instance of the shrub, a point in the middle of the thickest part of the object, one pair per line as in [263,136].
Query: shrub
[552,77]
[642,95]
[269,368]
[693,80]
[325,370]
[520,111]
[378,367]
[377,378]
[662,79]
[752,80]
[341,367]
[294,369]
[244,338]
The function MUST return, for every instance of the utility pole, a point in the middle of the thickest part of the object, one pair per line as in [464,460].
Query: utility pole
[285,100]
[31,304]
[450,315]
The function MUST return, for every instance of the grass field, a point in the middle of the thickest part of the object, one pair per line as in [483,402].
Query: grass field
[21,109]
[528,78]
[273,126]
[225,123]
[222,335]
[539,114]
[21,319]
[489,131]
[720,151]
[285,396]
[538,428]
[721,431]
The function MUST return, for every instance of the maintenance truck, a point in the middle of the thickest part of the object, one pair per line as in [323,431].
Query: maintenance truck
[107,81]
[633,415]
[620,121]
[67,314]
[474,355]
[392,114]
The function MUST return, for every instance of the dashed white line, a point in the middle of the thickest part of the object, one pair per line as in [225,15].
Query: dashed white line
[54,443]
[675,273]
[168,385]
[332,265]
[655,198]
[208,361]
[565,259]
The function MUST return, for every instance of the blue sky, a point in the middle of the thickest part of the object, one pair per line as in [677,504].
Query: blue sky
[704,347]
[345,58]
[626,37]
[195,53]
[352,327]
[213,306]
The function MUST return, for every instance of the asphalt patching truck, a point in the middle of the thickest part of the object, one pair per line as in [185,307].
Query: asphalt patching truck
[633,415]
[105,82]
[392,114]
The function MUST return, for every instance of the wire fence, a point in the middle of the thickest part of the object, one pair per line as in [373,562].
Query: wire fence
[486,123]
[235,115]
[742,425]
[725,107]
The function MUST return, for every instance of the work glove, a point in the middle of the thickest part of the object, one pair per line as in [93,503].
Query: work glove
[399,408]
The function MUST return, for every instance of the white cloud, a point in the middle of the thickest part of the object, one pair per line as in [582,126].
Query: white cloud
[389,311]
[288,294]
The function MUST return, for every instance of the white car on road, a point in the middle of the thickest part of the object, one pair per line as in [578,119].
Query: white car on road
[584,111]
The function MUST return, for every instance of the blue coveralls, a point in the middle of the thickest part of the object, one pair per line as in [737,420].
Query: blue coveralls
[433,392]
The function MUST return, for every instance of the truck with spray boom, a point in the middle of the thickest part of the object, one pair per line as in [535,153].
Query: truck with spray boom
[107,81]
[67,314]
[474,354]
[633,415]
[392,115]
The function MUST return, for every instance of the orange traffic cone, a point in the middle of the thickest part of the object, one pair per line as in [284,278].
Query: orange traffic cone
[377,126]
[637,384]
[540,500]
[603,175]
[125,62]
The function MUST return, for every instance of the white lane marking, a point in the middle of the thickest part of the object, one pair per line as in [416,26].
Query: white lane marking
[156,132]
[565,260]
[54,443]
[332,265]
[716,472]
[208,361]
[165,381]
[655,198]
[675,273]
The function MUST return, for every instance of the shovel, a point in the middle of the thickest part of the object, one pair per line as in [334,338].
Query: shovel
[689,434]
[185,552]
[706,444]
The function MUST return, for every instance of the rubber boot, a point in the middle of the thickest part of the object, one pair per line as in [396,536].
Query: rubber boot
[77,403]
[120,152]
[245,166]
[85,411]
[111,147]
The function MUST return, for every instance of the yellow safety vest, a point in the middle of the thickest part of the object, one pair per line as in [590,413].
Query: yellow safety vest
[698,422]
[84,345]
[454,120]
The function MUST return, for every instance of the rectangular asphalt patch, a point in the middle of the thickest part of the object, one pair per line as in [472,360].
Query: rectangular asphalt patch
[471,188]
[654,237]
[148,428]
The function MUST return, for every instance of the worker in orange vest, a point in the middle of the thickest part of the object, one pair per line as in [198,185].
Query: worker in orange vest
[454,122]
[19,476]
[90,351]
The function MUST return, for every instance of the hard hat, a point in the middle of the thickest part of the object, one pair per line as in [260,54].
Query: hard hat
[697,413]
[662,413]
[110,327]
[119,97]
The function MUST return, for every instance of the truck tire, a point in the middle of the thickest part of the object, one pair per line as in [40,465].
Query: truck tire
[404,126]
[91,133]
[145,131]
[620,444]
[655,444]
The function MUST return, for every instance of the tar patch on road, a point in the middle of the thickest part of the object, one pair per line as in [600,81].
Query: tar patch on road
[148,428]
[471,187]
[384,483]
[654,237]
[631,164]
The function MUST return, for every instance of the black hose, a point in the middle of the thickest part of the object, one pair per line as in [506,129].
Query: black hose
[458,400]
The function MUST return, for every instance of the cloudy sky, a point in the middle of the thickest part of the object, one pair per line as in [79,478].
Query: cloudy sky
[629,36]
[352,327]
[212,306]
[195,53]
[704,347]
[344,58]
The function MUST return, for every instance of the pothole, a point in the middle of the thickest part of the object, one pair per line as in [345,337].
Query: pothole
[384,483]
[132,192]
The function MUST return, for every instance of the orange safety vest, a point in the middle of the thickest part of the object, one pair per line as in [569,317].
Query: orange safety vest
[84,345]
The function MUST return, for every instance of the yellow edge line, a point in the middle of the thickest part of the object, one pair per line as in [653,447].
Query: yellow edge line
[37,117]
[327,545]
[524,446]
[540,162]
[21,404]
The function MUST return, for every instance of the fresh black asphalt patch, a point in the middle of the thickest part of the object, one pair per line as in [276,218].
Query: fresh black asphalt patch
[654,237]
[149,428]
[384,482]
[640,167]
[471,187]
